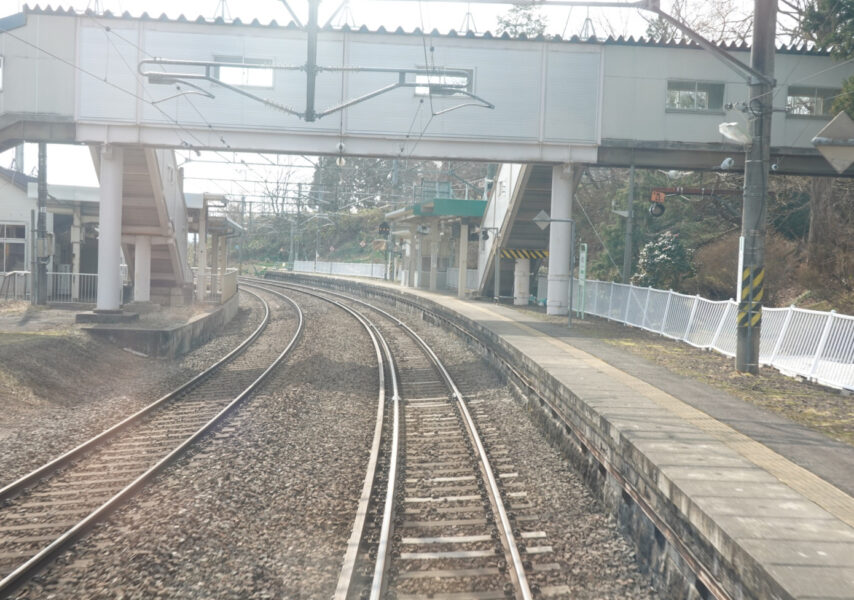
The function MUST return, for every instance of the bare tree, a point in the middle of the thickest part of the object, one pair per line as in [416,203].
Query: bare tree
[280,192]
[716,20]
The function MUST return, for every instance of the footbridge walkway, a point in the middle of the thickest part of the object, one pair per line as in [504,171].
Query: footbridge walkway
[122,82]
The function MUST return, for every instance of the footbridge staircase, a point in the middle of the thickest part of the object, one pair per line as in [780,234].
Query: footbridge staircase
[520,192]
[154,213]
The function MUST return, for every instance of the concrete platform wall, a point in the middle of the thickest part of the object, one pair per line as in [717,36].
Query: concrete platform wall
[680,559]
[174,341]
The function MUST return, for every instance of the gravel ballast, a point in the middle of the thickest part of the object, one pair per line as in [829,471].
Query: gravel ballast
[60,390]
[264,507]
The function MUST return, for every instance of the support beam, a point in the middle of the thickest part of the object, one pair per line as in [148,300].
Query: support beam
[521,281]
[419,259]
[434,256]
[215,265]
[630,217]
[76,243]
[561,212]
[110,229]
[463,261]
[40,279]
[223,260]
[202,254]
[142,269]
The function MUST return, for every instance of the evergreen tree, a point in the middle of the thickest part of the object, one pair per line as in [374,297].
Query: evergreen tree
[830,24]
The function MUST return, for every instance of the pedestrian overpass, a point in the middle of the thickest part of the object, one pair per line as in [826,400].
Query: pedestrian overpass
[124,83]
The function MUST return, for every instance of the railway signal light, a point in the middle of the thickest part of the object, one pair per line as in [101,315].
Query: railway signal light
[384,229]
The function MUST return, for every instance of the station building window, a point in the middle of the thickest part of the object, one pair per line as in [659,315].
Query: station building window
[234,74]
[436,84]
[1,73]
[13,241]
[695,96]
[810,101]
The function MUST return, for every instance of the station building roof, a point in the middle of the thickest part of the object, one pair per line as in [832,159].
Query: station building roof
[442,208]
[218,222]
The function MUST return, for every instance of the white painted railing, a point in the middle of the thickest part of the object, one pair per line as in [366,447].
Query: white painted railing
[62,288]
[15,285]
[72,288]
[375,270]
[816,345]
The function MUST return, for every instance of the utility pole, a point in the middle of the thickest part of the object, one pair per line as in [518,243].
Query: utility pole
[757,163]
[630,215]
[42,251]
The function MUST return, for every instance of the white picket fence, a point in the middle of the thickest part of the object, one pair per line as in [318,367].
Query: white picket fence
[62,288]
[807,343]
[375,270]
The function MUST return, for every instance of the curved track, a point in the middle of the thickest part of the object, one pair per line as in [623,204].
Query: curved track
[46,510]
[432,521]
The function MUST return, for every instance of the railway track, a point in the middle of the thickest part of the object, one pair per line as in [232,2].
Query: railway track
[433,521]
[48,509]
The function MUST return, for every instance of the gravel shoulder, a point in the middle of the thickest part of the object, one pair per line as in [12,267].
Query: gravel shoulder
[60,387]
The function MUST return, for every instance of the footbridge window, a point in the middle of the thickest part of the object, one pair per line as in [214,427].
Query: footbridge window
[810,101]
[232,72]
[443,85]
[702,96]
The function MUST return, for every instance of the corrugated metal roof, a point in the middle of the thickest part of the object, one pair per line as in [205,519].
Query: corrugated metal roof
[609,41]
[19,180]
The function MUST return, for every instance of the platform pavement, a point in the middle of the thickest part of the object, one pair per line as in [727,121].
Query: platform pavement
[753,483]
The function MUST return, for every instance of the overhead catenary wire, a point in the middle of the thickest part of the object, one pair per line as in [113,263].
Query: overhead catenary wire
[201,115]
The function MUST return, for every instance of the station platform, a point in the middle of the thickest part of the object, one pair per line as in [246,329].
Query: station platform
[766,504]
[157,332]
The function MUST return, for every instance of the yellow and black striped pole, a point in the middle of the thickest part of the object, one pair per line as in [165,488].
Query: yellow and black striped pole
[749,322]
[523,253]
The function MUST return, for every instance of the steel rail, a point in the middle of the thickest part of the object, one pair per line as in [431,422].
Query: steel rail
[381,347]
[31,566]
[506,528]
[695,564]
[38,474]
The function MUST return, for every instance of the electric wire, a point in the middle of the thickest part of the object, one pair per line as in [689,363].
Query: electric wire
[596,233]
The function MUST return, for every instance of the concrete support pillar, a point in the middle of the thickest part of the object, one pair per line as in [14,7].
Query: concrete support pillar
[419,239]
[559,233]
[110,229]
[76,241]
[202,254]
[463,261]
[406,262]
[223,260]
[521,281]
[412,279]
[215,281]
[142,269]
[434,256]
